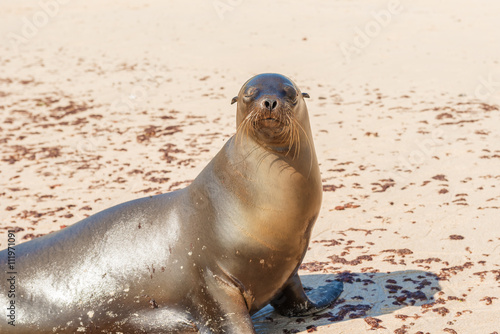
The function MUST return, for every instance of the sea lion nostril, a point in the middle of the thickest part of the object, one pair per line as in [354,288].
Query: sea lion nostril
[269,104]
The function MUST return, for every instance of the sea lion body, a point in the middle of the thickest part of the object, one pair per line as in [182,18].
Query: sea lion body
[202,258]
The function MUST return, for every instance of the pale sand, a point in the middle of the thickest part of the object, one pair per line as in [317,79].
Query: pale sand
[108,101]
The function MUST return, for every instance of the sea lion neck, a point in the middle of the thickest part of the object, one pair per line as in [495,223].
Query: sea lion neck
[245,151]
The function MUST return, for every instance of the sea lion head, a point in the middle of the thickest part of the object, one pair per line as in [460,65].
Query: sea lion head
[272,110]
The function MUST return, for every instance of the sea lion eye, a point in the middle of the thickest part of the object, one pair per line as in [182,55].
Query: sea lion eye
[291,93]
[251,92]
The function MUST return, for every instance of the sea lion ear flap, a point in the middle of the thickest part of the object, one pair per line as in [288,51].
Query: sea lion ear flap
[305,95]
[234,100]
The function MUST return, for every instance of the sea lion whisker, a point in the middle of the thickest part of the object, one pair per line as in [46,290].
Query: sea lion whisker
[296,137]
[309,145]
[241,130]
[291,131]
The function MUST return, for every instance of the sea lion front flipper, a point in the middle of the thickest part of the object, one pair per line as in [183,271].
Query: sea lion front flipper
[221,308]
[292,301]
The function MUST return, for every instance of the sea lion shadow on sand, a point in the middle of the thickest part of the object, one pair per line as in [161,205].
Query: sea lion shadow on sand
[364,295]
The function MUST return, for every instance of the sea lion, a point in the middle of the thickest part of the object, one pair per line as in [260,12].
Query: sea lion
[203,258]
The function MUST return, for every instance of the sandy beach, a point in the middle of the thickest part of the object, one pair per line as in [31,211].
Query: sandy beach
[102,102]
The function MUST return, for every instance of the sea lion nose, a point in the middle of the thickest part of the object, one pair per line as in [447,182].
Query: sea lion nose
[269,104]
